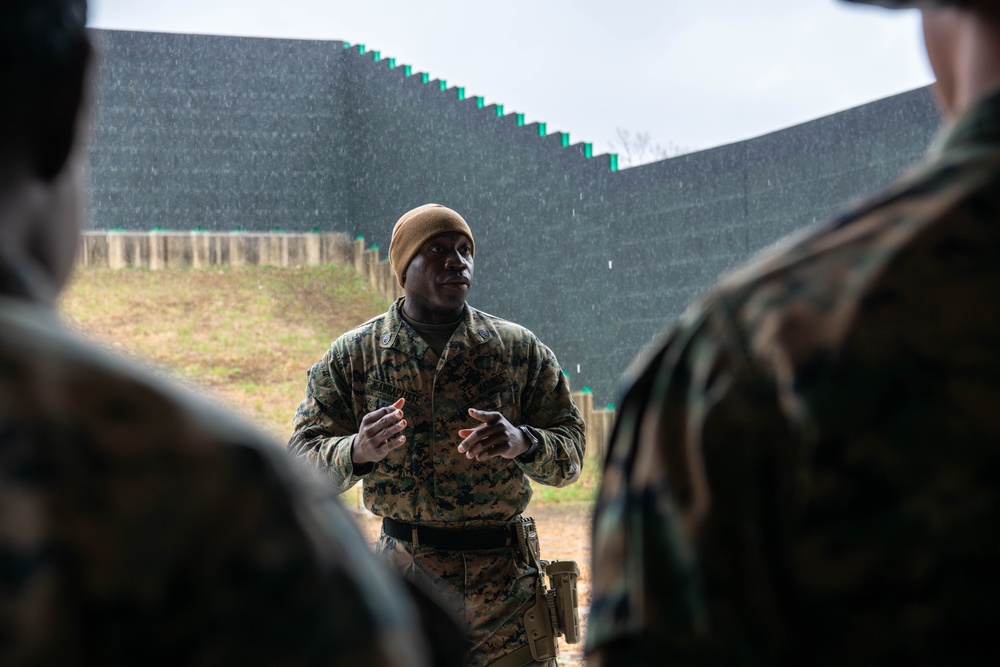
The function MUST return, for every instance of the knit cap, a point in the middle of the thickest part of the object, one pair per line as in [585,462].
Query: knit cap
[415,227]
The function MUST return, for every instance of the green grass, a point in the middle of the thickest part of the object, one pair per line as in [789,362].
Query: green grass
[244,336]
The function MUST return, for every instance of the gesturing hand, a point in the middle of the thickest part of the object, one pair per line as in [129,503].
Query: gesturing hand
[380,433]
[494,437]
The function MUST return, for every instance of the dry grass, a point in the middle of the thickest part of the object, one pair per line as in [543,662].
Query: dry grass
[243,335]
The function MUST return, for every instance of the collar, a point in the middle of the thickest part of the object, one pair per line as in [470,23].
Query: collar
[471,331]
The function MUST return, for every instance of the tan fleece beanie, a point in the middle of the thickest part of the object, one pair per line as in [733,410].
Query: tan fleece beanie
[415,227]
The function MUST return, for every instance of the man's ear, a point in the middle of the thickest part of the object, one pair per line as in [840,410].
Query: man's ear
[56,120]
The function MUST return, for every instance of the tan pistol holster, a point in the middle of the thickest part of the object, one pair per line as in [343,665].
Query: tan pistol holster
[554,610]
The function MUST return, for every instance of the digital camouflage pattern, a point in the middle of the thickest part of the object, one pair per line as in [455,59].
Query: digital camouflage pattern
[489,364]
[485,589]
[139,526]
[805,470]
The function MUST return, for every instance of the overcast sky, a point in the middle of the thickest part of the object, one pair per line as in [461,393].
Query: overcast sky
[695,74]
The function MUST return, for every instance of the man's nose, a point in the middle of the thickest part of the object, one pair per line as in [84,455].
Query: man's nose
[455,260]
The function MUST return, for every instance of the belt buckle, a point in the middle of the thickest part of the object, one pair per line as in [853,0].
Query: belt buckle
[414,538]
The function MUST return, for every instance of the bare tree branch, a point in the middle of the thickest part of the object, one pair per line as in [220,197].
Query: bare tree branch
[638,148]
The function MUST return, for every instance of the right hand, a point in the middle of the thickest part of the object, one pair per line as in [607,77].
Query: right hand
[380,433]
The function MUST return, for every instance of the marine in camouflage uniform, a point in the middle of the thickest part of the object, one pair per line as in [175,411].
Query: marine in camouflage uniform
[138,525]
[804,471]
[428,480]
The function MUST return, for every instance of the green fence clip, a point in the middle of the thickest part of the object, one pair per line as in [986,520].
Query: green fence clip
[425,77]
[613,161]
[541,129]
[588,150]
[586,390]
[407,70]
[392,63]
[374,246]
[480,102]
[361,49]
[520,119]
[376,56]
[359,237]
[460,92]
[565,139]
[499,110]
[443,85]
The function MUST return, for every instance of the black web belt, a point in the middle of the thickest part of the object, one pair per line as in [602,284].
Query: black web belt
[450,538]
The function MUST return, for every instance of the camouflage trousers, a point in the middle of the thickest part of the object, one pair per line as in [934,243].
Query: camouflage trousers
[484,588]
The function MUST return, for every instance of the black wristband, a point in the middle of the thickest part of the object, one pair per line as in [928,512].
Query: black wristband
[528,456]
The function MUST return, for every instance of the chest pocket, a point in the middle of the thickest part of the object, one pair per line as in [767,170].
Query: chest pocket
[495,394]
[379,394]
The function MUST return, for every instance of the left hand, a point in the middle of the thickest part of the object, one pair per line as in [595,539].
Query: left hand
[494,437]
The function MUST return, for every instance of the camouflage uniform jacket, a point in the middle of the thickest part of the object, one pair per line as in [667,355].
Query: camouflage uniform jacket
[140,526]
[805,471]
[489,364]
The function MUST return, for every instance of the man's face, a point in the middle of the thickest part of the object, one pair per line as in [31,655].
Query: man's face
[438,278]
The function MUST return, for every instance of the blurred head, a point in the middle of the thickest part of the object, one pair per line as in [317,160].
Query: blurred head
[963,47]
[44,61]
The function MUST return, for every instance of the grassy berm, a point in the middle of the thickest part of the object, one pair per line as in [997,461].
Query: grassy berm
[242,335]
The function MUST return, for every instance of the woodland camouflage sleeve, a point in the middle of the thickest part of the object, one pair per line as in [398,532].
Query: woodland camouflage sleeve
[324,425]
[550,412]
[690,486]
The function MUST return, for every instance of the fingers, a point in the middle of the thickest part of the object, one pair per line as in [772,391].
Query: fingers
[485,416]
[491,452]
[383,416]
[380,433]
[480,450]
[387,426]
[484,442]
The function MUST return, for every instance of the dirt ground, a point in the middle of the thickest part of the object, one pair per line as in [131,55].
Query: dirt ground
[564,534]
